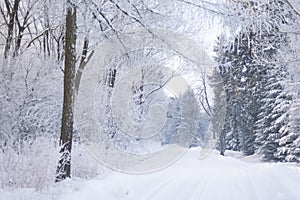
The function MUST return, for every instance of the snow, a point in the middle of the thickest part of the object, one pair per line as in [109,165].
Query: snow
[215,177]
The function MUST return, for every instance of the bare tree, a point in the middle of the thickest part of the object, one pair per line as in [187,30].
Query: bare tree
[9,19]
[64,165]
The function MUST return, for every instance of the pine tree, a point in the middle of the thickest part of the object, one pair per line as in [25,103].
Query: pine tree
[218,114]
[256,97]
[234,60]
[289,141]
[274,112]
[274,100]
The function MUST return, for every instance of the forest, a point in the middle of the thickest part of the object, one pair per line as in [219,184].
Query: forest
[89,86]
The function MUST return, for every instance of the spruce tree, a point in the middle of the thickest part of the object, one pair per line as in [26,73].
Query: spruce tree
[289,140]
[234,63]
[257,100]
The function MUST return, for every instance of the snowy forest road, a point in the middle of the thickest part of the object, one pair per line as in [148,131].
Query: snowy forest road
[215,177]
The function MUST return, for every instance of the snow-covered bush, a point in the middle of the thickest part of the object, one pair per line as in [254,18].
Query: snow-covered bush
[31,98]
[84,165]
[30,104]
[31,165]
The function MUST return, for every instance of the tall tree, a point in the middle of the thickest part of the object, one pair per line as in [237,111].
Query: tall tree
[257,101]
[289,139]
[234,60]
[274,99]
[12,11]
[64,165]
[218,112]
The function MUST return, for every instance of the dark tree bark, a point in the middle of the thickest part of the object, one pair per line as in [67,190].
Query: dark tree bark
[64,165]
[83,61]
[10,26]
[21,29]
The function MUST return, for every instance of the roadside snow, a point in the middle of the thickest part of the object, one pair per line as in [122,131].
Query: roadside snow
[215,177]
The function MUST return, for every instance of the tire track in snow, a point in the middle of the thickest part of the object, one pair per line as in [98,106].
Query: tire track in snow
[153,193]
[214,178]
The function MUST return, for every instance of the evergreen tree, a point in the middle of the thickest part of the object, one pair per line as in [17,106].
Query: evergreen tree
[257,100]
[273,99]
[289,140]
[218,114]
[274,113]
[234,66]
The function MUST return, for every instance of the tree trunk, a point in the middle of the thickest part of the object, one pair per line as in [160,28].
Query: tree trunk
[64,165]
[83,61]
[10,25]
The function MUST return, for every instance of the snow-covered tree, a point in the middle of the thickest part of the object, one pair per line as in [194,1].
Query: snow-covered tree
[254,83]
[234,62]
[190,119]
[289,146]
[66,135]
[218,113]
[274,113]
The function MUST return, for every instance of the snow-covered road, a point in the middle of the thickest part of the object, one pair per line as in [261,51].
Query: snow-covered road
[215,177]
